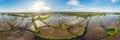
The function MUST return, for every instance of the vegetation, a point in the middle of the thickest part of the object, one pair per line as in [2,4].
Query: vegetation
[112,31]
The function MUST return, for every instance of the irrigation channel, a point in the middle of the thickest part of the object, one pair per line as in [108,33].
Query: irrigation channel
[60,26]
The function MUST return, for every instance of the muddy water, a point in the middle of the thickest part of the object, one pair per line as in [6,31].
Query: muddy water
[96,28]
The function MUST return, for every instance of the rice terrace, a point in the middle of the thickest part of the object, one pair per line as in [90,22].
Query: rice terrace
[59,20]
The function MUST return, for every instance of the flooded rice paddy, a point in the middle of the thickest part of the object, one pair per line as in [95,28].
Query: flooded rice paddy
[60,26]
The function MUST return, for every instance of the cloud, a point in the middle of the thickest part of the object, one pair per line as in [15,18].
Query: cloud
[93,10]
[40,6]
[97,10]
[74,3]
[114,1]
[35,6]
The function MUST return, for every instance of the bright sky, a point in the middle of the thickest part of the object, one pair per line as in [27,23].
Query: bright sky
[60,5]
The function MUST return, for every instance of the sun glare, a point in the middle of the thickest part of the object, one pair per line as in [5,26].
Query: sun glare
[40,6]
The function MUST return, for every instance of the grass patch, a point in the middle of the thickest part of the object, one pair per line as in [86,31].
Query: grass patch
[112,31]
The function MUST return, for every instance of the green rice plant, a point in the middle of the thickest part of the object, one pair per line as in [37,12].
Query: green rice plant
[44,17]
[112,31]
[65,26]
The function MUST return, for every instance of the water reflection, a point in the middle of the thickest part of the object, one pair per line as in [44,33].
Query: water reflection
[95,30]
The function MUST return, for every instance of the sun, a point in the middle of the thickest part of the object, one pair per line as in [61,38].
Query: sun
[40,6]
